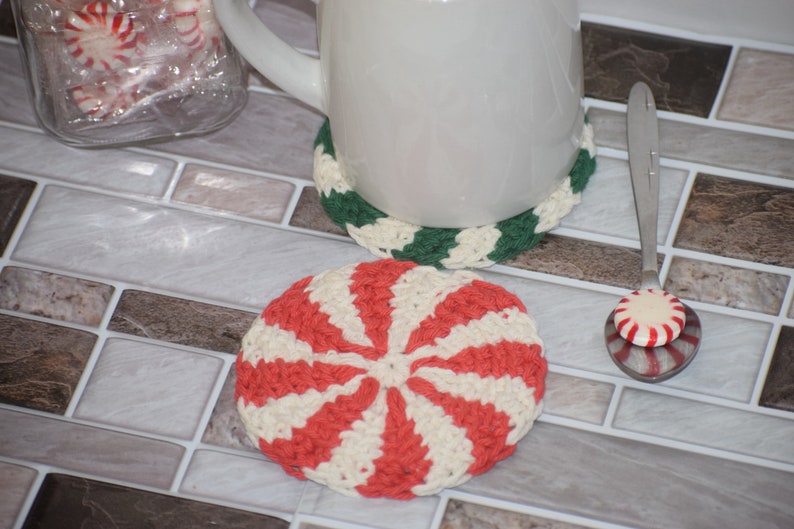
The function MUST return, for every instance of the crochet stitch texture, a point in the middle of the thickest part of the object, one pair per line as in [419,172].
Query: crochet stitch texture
[390,379]
[452,248]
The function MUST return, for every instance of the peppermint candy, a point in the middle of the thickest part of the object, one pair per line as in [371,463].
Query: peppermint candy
[389,379]
[650,317]
[196,24]
[101,38]
[452,248]
[100,101]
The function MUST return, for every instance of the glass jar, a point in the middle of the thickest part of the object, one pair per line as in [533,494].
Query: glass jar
[111,72]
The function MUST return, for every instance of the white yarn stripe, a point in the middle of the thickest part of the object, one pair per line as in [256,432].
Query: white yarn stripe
[277,417]
[331,289]
[351,463]
[448,447]
[384,236]
[509,395]
[416,295]
[327,174]
[474,245]
[260,340]
[556,206]
[508,324]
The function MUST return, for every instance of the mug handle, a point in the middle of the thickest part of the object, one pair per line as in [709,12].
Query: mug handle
[292,71]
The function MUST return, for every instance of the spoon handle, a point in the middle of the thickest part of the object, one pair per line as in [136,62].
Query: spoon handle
[643,143]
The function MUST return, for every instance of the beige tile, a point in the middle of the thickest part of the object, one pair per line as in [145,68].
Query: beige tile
[53,296]
[95,451]
[761,90]
[727,285]
[577,398]
[464,515]
[15,483]
[242,194]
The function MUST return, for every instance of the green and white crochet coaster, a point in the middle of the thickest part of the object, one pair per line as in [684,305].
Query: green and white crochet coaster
[452,248]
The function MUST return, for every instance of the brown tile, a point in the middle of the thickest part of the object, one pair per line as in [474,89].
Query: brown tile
[583,260]
[42,363]
[180,321]
[7,27]
[309,214]
[684,75]
[464,515]
[727,285]
[53,296]
[67,501]
[743,220]
[14,196]
[225,428]
[778,389]
[242,194]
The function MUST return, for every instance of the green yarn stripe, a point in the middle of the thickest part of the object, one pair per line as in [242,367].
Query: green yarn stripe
[437,246]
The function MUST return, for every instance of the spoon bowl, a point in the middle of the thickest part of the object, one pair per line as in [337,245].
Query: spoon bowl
[641,362]
[654,364]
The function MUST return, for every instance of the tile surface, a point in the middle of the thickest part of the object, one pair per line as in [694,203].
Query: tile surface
[67,501]
[149,388]
[578,474]
[53,295]
[761,91]
[81,448]
[738,219]
[779,384]
[242,194]
[42,363]
[128,276]
[180,321]
[684,75]
[14,196]
[727,285]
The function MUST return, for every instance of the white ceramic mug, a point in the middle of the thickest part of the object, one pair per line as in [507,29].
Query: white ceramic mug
[444,113]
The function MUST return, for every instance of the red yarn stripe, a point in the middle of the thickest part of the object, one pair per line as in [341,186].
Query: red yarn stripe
[486,427]
[402,465]
[371,286]
[513,359]
[468,303]
[313,443]
[295,312]
[276,379]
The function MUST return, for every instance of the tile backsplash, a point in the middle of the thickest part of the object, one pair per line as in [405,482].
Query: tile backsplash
[128,277]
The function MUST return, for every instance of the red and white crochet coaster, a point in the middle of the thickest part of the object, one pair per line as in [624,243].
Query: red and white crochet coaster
[390,379]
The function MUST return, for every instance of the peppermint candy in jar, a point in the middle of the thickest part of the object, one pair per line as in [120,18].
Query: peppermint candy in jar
[101,38]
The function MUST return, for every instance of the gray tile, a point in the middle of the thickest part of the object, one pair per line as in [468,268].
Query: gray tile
[113,170]
[577,398]
[742,432]
[636,484]
[95,451]
[177,251]
[729,149]
[465,515]
[274,133]
[252,482]
[15,104]
[149,388]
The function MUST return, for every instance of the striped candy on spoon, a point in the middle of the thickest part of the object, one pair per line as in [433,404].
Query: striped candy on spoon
[651,335]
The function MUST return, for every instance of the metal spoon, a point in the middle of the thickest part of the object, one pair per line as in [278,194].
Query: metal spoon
[649,364]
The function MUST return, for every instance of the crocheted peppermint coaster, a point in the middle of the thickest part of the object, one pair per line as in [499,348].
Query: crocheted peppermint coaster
[475,247]
[390,379]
